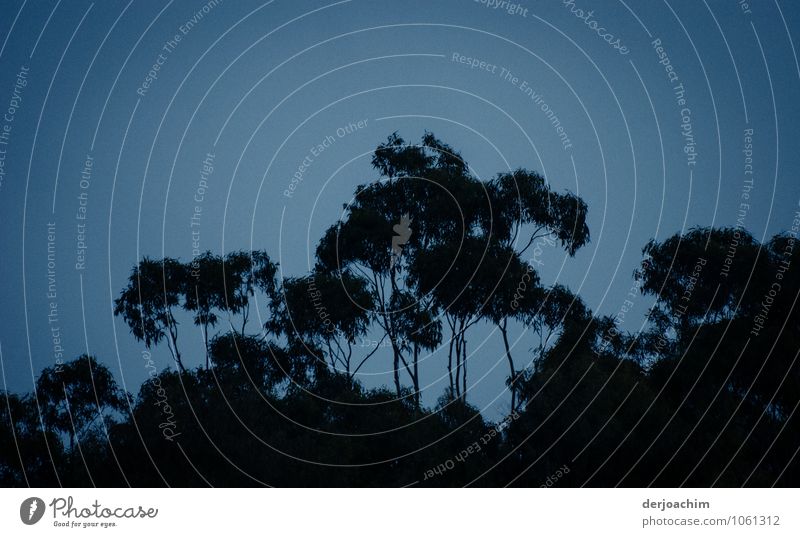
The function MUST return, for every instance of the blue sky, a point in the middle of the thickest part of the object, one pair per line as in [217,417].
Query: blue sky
[257,85]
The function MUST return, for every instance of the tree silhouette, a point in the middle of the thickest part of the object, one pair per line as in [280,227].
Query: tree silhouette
[244,273]
[460,246]
[204,293]
[154,291]
[323,311]
[206,286]
[706,395]
[78,397]
[29,452]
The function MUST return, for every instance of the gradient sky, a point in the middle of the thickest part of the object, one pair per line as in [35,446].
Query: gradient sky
[258,84]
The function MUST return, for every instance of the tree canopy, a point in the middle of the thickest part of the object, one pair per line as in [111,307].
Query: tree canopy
[425,256]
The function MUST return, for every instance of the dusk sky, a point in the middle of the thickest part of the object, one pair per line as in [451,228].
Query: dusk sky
[148,128]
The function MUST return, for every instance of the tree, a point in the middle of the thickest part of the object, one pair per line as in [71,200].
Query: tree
[244,273]
[706,274]
[460,280]
[549,311]
[418,329]
[518,285]
[78,397]
[245,361]
[522,199]
[154,290]
[328,311]
[459,228]
[204,293]
[29,453]
[719,293]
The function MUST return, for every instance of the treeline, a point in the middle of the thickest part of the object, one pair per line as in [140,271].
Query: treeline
[423,257]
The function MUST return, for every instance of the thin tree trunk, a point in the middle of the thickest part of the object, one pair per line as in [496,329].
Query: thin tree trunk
[396,368]
[205,329]
[504,330]
[173,334]
[176,355]
[464,372]
[347,364]
[245,314]
[416,376]
[395,352]
[331,356]
[390,323]
[450,366]
[457,337]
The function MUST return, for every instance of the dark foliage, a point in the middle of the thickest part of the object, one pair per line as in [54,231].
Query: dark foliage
[705,396]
